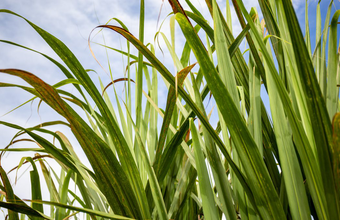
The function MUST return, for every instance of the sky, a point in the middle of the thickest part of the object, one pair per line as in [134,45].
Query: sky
[72,22]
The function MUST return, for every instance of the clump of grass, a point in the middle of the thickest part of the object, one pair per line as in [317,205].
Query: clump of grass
[254,164]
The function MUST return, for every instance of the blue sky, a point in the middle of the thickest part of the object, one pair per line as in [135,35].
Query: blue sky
[72,21]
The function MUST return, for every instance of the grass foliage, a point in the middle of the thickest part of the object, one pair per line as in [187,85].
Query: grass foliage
[255,164]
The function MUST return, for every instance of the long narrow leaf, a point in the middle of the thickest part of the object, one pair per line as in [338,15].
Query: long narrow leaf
[265,195]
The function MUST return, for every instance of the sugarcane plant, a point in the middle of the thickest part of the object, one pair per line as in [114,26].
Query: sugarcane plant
[174,163]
